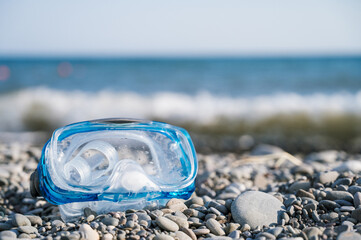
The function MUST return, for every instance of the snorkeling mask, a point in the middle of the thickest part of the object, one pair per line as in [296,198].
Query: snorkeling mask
[115,164]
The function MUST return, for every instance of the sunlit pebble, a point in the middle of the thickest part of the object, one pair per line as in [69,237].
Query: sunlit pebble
[65,69]
[4,72]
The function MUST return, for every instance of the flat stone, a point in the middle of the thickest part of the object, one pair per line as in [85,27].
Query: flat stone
[57,224]
[218,238]
[349,236]
[20,220]
[7,235]
[27,229]
[275,231]
[350,165]
[266,235]
[181,222]
[35,220]
[201,231]
[234,234]
[356,214]
[167,224]
[339,195]
[88,233]
[302,193]
[312,232]
[176,205]
[305,185]
[256,209]
[194,200]
[5,226]
[189,232]
[182,236]
[163,237]
[354,189]
[327,177]
[357,199]
[215,227]
[110,221]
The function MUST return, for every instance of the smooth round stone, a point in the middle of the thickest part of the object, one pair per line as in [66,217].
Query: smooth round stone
[88,233]
[110,221]
[27,229]
[256,209]
[176,205]
[35,220]
[181,222]
[339,195]
[349,236]
[167,224]
[20,220]
[163,237]
[327,177]
[201,231]
[215,227]
[7,235]
[57,223]
[299,185]
[182,236]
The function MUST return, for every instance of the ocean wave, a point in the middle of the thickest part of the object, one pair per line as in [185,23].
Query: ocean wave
[56,107]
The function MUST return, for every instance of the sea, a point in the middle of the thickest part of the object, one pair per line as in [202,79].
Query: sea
[56,92]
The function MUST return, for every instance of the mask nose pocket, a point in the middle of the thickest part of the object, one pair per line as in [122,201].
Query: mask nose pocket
[129,176]
[93,161]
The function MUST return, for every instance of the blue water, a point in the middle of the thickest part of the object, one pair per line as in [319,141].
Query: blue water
[220,77]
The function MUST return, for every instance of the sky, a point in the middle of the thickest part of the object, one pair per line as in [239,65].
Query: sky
[179,28]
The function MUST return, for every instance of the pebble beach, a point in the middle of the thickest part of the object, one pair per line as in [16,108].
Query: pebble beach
[265,193]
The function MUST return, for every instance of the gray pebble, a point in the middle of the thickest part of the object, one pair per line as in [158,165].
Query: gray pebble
[163,237]
[35,220]
[275,231]
[357,199]
[176,205]
[349,236]
[339,195]
[181,222]
[20,220]
[110,221]
[215,227]
[256,209]
[330,205]
[167,224]
[182,236]
[305,185]
[27,229]
[57,224]
[24,235]
[7,235]
[5,226]
[88,233]
[356,214]
[201,231]
[327,177]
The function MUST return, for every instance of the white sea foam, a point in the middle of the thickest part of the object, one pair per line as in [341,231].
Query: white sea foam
[62,107]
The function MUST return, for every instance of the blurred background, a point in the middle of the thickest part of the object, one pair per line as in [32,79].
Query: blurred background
[233,73]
